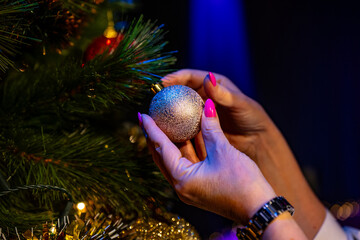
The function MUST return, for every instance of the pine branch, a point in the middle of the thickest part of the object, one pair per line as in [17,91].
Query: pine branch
[66,91]
[91,167]
[26,23]
[10,28]
[57,125]
[57,99]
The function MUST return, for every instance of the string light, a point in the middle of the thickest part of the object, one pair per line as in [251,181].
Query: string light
[53,229]
[345,210]
[80,206]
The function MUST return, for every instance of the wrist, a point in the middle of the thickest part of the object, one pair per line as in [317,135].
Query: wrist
[283,227]
[271,140]
[271,211]
[261,193]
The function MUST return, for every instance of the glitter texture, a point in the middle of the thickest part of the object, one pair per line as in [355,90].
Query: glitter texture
[112,227]
[177,111]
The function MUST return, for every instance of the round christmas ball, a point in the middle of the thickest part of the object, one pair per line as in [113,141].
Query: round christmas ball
[177,111]
[100,45]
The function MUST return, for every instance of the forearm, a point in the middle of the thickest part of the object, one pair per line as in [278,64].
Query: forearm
[286,178]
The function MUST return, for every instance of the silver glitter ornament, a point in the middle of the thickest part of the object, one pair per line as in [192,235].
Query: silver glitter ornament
[177,111]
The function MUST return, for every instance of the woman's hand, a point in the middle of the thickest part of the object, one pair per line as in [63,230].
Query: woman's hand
[227,182]
[242,119]
[250,130]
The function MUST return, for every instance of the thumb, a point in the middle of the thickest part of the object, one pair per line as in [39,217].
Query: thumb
[210,127]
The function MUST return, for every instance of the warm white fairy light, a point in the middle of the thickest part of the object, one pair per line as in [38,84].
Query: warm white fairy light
[80,206]
[53,229]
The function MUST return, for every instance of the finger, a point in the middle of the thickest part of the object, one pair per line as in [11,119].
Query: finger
[194,79]
[200,146]
[210,127]
[156,157]
[188,77]
[185,77]
[187,151]
[171,156]
[221,94]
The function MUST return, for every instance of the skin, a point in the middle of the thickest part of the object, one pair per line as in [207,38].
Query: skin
[226,182]
[250,130]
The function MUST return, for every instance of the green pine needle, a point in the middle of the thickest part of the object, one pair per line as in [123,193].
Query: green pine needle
[26,23]
[11,38]
[65,125]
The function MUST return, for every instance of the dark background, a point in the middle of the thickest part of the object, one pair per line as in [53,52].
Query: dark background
[304,61]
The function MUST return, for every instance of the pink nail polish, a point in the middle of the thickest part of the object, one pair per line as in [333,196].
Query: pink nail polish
[210,108]
[212,79]
[140,119]
[142,125]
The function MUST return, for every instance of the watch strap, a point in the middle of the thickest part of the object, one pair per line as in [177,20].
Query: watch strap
[263,217]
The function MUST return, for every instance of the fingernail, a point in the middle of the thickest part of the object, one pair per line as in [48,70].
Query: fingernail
[210,108]
[140,120]
[212,79]
[142,125]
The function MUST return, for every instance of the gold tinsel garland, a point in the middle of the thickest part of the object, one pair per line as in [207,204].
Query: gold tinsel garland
[151,229]
[109,227]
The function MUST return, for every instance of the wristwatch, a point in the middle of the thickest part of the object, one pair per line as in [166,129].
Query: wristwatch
[263,218]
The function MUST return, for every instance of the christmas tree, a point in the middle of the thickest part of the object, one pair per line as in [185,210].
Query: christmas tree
[74,162]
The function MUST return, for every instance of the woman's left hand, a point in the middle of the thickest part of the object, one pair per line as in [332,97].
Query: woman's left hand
[227,182]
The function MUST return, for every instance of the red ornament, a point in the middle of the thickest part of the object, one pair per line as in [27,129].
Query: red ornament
[100,45]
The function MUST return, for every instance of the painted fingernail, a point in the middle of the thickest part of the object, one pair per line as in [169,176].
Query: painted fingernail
[212,79]
[210,108]
[140,120]
[142,125]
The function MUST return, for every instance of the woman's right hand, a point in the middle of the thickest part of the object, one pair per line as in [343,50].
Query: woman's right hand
[242,119]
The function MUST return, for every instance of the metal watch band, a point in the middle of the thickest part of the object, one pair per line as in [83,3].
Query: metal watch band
[263,218]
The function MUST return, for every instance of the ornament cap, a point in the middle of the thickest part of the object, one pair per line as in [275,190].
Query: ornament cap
[156,87]
[110,31]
